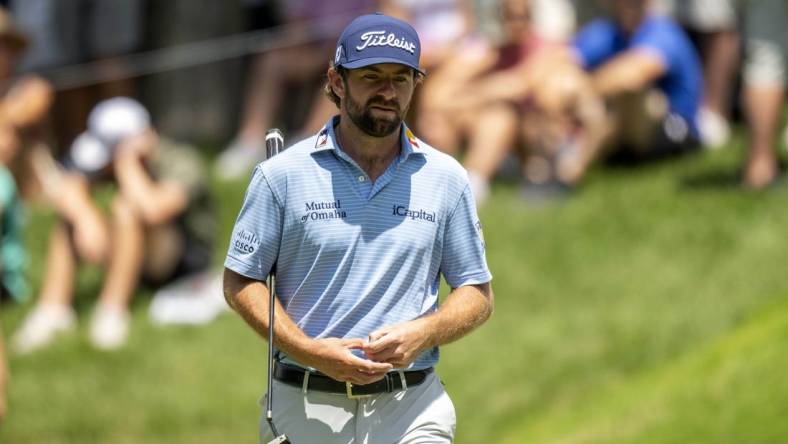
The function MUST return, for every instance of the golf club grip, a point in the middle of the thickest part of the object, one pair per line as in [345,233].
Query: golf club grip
[274,142]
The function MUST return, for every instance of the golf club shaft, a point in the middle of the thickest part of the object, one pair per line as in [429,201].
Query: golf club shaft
[269,410]
[274,143]
[271,308]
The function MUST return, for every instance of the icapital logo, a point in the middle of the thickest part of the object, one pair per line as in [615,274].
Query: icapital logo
[323,211]
[401,210]
[381,38]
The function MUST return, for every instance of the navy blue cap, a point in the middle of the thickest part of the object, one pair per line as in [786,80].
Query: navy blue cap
[376,38]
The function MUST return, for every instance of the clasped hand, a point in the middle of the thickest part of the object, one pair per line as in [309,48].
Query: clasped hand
[395,346]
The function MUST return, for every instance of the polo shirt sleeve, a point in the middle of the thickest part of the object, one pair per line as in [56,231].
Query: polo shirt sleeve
[594,44]
[254,245]
[463,261]
[659,40]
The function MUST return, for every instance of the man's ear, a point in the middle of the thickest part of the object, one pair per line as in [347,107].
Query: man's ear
[336,82]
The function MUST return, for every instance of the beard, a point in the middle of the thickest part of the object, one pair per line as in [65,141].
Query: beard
[374,126]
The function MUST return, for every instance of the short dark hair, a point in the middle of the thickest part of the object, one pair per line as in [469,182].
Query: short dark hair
[328,91]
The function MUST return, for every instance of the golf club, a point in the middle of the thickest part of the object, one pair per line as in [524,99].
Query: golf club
[274,143]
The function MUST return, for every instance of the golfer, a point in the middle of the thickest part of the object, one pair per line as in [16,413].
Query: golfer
[358,223]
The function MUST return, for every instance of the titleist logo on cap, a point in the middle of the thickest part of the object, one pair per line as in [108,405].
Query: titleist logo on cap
[381,38]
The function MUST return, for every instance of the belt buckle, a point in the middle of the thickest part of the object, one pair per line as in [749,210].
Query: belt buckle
[349,391]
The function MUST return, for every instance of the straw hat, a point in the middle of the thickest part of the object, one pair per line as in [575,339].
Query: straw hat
[10,32]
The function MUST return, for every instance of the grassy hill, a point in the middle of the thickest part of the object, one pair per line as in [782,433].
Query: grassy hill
[651,307]
[732,390]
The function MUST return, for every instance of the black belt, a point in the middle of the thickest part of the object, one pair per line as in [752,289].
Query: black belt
[392,382]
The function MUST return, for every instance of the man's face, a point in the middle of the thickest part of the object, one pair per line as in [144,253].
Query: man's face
[378,96]
[629,13]
[516,19]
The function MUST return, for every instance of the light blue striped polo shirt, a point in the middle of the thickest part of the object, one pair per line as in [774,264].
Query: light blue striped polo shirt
[352,256]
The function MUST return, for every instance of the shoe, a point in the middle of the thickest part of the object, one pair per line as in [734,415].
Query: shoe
[715,131]
[239,158]
[785,137]
[543,193]
[480,188]
[41,326]
[192,300]
[109,327]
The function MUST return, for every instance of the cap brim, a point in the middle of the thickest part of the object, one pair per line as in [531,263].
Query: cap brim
[378,60]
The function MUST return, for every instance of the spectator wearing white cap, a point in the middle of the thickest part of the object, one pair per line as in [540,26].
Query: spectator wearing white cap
[160,227]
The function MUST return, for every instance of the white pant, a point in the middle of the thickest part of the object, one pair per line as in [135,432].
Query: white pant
[766,38]
[423,414]
[703,15]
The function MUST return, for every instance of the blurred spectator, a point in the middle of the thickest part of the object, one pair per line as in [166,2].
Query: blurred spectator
[13,256]
[449,110]
[444,27]
[12,251]
[554,19]
[441,25]
[588,10]
[23,105]
[277,76]
[79,31]
[764,87]
[484,92]
[714,26]
[16,115]
[649,73]
[161,225]
[25,102]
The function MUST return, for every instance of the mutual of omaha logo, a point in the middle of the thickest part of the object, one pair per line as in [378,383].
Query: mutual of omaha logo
[323,211]
[403,211]
[383,38]
[245,242]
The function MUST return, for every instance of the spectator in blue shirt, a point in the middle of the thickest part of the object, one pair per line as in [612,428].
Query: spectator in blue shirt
[650,75]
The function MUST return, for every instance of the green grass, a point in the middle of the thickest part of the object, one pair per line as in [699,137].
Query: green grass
[731,390]
[652,307]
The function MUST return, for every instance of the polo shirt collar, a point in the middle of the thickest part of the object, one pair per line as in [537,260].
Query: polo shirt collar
[326,140]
